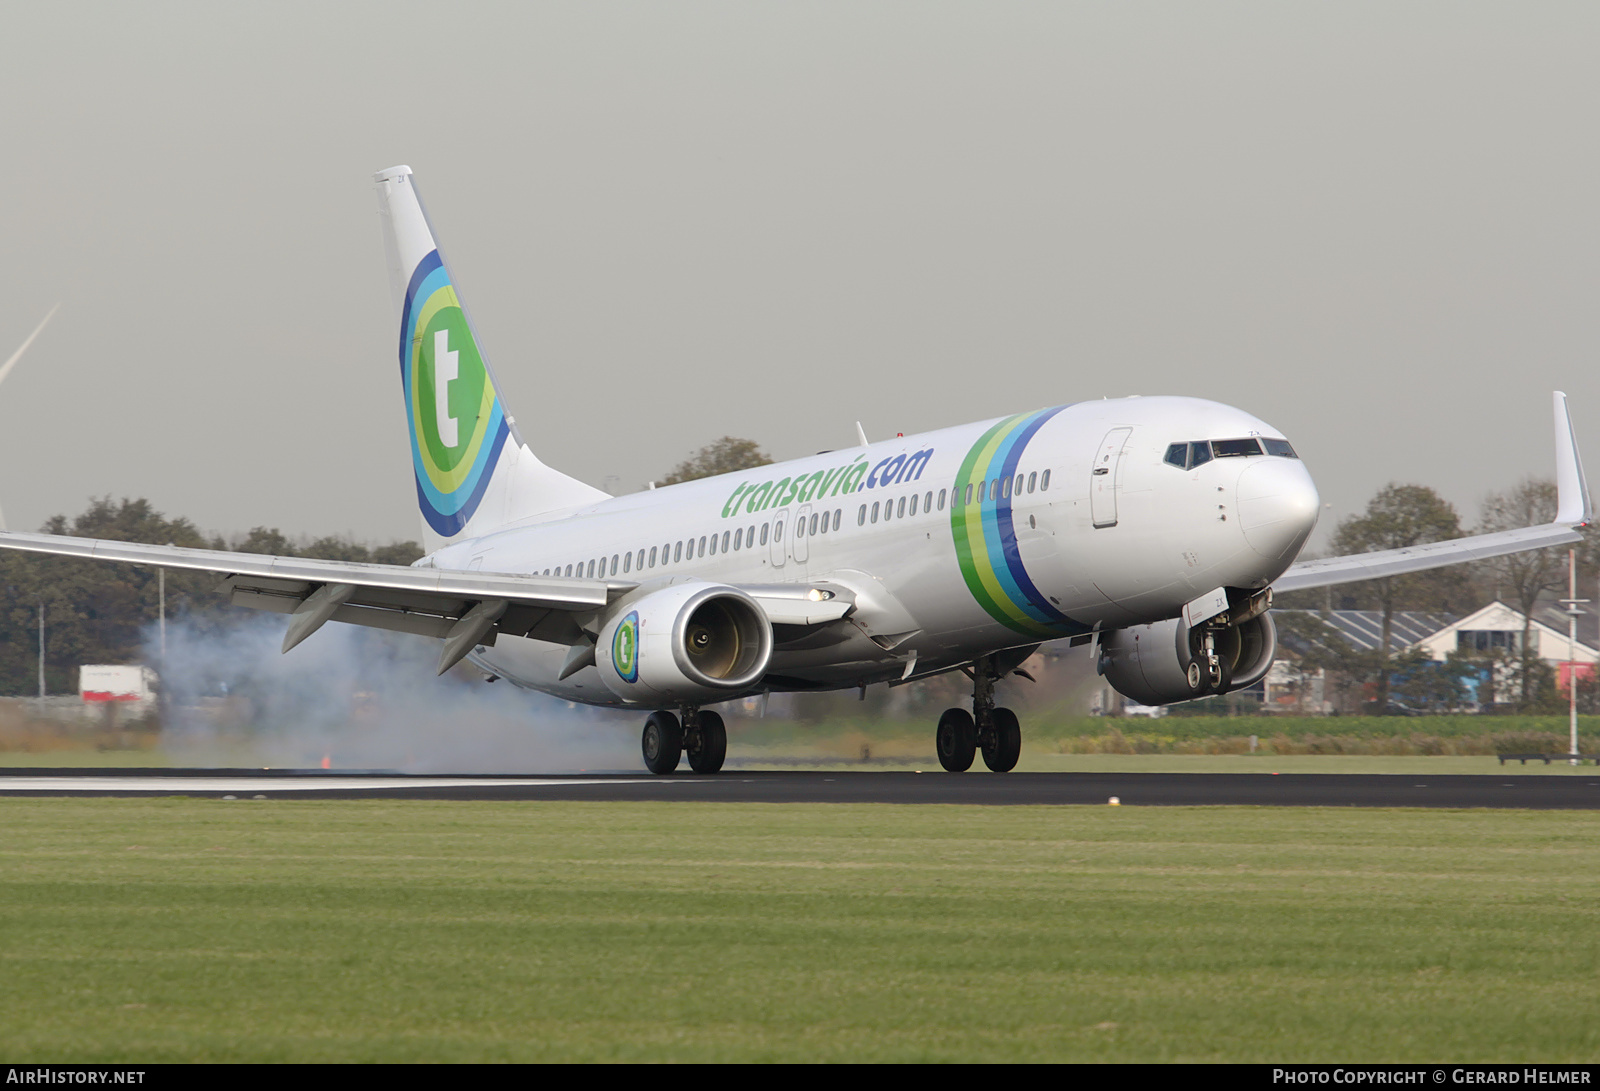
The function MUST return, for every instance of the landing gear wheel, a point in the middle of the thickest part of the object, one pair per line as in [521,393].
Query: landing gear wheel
[662,742]
[710,747]
[957,740]
[1002,753]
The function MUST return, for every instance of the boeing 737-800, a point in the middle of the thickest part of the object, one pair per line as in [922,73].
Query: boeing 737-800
[1153,529]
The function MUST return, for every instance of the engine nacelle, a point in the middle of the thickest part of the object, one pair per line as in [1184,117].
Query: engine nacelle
[1156,664]
[690,642]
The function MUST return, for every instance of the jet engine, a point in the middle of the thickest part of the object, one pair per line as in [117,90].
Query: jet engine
[688,643]
[1169,661]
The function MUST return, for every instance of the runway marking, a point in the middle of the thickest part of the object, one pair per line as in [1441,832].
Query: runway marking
[185,785]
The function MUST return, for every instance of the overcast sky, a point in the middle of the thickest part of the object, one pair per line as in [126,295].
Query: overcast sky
[1373,225]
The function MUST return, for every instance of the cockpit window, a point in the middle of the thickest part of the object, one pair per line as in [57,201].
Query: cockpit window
[1234,448]
[1186,456]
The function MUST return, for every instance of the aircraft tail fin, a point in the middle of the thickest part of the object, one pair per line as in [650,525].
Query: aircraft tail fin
[474,473]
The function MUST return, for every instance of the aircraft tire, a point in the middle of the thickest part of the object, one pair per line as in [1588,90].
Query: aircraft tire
[713,749]
[956,740]
[1001,755]
[662,742]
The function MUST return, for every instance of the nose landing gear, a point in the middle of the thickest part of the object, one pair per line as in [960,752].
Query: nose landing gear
[994,731]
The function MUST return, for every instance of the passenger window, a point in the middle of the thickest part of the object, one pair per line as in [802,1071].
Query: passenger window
[969,494]
[800,528]
[1017,488]
[1005,489]
[914,499]
[994,489]
[861,516]
[652,556]
[725,541]
[569,570]
[1044,481]
[677,552]
[591,570]
[1033,479]
[777,531]
[614,559]
[702,552]
[813,524]
[875,511]
[941,499]
[713,545]
[900,509]
[738,539]
[750,536]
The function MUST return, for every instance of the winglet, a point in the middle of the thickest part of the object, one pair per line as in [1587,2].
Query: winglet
[1574,508]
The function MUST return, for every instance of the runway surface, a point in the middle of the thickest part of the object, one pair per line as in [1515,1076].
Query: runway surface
[1131,789]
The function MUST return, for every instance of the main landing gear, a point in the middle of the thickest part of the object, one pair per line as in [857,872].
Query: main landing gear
[994,731]
[701,733]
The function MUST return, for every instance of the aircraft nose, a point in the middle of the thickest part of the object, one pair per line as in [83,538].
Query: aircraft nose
[1278,507]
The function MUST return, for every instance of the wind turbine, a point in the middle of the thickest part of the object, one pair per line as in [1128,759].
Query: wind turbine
[5,368]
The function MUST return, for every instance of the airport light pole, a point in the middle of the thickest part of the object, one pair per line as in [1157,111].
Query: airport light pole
[1571,603]
[41,651]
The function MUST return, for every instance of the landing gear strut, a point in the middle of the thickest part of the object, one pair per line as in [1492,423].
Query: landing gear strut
[994,731]
[702,734]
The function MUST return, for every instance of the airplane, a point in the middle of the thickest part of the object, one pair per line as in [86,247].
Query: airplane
[1151,530]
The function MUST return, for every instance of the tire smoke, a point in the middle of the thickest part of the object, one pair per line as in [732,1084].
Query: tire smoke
[356,698]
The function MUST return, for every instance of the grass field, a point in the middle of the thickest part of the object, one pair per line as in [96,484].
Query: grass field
[208,930]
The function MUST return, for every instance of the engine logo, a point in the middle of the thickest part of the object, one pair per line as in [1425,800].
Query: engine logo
[625,648]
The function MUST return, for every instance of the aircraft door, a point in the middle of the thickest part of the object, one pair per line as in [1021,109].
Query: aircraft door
[780,524]
[1103,478]
[801,538]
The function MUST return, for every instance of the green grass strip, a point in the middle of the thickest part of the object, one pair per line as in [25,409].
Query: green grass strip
[199,930]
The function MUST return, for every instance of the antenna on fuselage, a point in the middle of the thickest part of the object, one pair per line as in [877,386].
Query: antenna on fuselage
[861,434]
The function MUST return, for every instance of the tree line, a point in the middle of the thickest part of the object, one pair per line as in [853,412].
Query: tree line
[1409,515]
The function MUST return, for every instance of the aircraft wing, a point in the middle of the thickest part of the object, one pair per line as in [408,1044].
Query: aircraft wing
[1574,509]
[464,609]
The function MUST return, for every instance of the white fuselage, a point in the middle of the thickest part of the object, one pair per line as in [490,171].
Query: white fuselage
[953,543]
